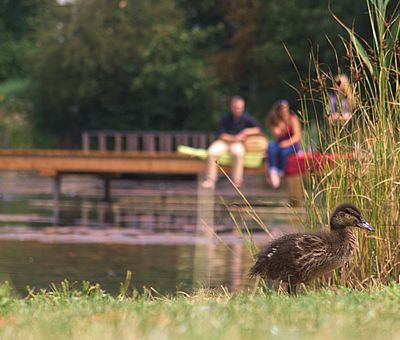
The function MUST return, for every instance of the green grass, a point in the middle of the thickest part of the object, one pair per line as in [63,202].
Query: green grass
[328,314]
[14,87]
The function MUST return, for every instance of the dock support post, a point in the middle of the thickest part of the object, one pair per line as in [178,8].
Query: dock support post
[295,190]
[56,198]
[57,187]
[107,189]
[117,216]
[101,214]
[85,209]
[205,209]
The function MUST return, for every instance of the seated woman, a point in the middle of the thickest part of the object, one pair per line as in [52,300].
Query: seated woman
[286,130]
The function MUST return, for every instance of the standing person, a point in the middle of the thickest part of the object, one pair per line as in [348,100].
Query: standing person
[234,127]
[286,130]
[340,102]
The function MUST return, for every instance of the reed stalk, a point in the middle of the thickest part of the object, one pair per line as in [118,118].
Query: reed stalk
[370,177]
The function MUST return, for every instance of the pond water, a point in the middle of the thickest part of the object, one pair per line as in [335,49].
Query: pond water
[152,227]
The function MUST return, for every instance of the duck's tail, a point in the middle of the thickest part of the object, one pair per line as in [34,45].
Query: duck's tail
[253,272]
[258,269]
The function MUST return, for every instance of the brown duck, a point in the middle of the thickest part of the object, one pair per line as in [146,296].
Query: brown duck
[301,257]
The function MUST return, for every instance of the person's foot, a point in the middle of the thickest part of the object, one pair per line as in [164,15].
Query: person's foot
[274,179]
[238,184]
[208,184]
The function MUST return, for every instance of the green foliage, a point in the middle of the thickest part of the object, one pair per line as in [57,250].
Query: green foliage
[256,61]
[173,69]
[105,66]
[19,17]
[14,57]
[137,64]
[19,20]
[15,129]
[14,88]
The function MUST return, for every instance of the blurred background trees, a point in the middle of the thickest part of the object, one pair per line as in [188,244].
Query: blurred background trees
[156,64]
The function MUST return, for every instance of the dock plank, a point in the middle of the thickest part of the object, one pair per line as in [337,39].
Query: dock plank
[52,162]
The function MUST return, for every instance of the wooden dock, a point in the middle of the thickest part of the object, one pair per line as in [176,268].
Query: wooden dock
[55,162]
[105,164]
[109,154]
[111,164]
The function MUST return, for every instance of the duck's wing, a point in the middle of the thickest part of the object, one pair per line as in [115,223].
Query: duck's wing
[295,256]
[278,258]
[311,253]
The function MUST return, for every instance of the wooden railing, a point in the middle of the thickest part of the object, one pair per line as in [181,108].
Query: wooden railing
[144,141]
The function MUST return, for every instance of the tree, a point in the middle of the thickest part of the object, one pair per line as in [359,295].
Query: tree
[175,79]
[18,23]
[130,66]
[255,61]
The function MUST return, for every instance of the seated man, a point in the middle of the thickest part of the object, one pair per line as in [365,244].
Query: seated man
[234,127]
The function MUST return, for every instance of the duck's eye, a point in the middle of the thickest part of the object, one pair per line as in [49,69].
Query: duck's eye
[342,214]
[350,217]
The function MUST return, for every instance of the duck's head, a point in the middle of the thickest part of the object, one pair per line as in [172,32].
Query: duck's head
[347,215]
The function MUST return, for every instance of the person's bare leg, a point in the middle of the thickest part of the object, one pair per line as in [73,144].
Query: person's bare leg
[215,149]
[237,150]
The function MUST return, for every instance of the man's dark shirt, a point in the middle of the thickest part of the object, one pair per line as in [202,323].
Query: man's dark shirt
[229,126]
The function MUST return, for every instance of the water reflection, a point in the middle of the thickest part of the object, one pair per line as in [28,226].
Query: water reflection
[166,268]
[152,228]
[169,216]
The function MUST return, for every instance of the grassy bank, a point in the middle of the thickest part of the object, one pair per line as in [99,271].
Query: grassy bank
[343,313]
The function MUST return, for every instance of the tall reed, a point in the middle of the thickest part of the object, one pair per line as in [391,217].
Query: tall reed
[370,175]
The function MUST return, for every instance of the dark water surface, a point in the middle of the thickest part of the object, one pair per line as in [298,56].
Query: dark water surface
[167,268]
[151,227]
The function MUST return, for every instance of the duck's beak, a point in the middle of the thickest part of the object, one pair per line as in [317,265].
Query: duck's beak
[363,224]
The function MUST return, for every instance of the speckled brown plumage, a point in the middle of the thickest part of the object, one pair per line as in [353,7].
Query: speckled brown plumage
[301,257]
